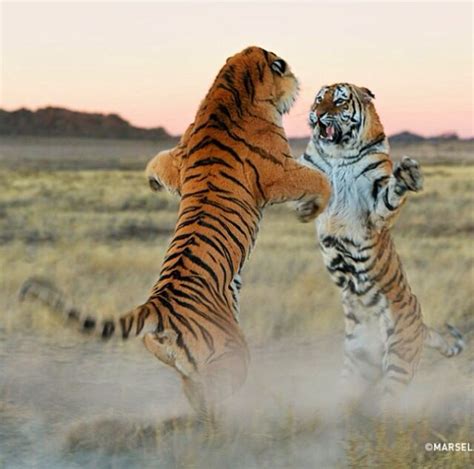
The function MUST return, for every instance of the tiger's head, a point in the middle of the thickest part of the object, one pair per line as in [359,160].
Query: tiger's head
[259,77]
[343,119]
[242,112]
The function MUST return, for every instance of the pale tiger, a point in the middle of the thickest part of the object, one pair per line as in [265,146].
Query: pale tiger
[384,329]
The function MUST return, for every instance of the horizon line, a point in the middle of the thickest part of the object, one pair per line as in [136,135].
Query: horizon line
[107,113]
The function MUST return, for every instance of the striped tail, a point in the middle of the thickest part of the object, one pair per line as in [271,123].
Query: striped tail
[135,323]
[434,339]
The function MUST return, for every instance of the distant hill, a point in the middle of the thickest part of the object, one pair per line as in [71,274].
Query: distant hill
[60,122]
[406,137]
[410,137]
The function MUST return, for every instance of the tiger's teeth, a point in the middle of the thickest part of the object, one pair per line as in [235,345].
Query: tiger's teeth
[330,132]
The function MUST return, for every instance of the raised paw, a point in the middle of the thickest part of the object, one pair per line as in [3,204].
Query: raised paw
[155,184]
[152,171]
[307,210]
[408,174]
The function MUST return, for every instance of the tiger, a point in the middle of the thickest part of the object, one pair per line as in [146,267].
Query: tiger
[231,162]
[384,329]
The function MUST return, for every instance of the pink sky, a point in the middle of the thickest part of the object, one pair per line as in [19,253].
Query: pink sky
[153,62]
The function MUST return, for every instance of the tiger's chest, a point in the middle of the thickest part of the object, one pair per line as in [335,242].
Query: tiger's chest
[349,207]
[343,229]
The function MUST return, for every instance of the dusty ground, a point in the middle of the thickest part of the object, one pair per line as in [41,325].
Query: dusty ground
[101,235]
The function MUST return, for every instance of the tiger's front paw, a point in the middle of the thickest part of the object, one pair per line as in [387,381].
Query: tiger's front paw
[153,180]
[307,210]
[155,184]
[408,174]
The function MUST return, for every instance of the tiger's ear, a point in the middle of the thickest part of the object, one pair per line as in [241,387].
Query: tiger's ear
[366,95]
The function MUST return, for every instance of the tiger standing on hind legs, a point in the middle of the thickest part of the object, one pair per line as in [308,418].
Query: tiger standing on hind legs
[231,162]
[384,329]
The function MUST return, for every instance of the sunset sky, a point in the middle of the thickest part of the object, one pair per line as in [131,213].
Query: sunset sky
[152,63]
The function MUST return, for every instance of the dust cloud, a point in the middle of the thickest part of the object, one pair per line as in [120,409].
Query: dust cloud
[66,401]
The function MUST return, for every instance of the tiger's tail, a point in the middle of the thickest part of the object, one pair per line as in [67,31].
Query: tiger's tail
[433,339]
[135,323]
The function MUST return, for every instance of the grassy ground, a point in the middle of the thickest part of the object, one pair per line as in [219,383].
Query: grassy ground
[96,231]
[101,236]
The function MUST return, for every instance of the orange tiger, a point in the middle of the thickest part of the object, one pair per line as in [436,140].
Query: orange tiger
[384,329]
[231,162]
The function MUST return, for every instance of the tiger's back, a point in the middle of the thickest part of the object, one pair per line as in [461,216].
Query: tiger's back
[232,161]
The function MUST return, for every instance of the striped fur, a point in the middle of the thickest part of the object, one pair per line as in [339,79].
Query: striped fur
[384,330]
[231,162]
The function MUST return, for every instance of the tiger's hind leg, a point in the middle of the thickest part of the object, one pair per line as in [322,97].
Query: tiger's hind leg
[363,353]
[216,381]
[403,347]
[213,382]
[163,345]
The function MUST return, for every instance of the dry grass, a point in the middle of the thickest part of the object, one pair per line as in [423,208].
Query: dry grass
[108,230]
[101,236]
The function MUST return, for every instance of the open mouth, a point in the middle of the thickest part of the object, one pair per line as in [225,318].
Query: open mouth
[327,132]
